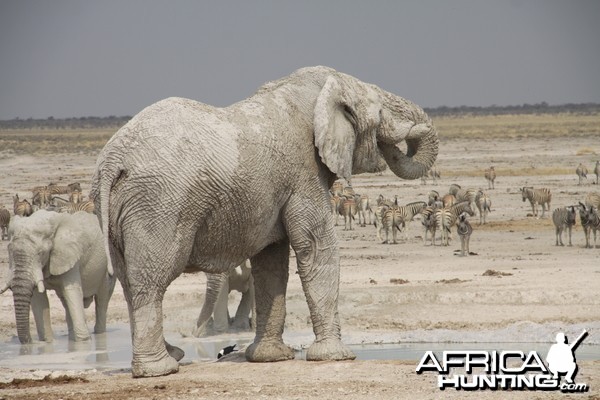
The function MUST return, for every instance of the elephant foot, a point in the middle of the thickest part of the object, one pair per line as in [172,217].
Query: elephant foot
[174,351]
[164,366]
[329,350]
[269,352]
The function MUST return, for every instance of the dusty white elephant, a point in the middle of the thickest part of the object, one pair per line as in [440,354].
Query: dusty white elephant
[216,299]
[185,184]
[64,253]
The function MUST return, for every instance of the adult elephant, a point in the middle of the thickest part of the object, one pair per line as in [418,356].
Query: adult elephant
[218,287]
[188,184]
[64,253]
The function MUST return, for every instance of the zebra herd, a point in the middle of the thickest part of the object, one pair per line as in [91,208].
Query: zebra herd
[564,218]
[46,198]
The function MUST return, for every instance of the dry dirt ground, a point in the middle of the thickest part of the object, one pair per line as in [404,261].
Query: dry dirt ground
[538,289]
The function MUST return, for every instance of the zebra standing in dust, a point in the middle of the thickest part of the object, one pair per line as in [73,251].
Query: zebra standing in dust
[364,209]
[563,218]
[590,220]
[464,231]
[408,213]
[4,222]
[335,202]
[429,223]
[484,205]
[42,197]
[348,211]
[597,171]
[72,208]
[392,219]
[462,194]
[21,207]
[541,196]
[490,176]
[581,172]
[62,189]
[446,218]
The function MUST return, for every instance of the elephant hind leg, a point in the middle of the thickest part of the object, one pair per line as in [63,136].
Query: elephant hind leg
[270,272]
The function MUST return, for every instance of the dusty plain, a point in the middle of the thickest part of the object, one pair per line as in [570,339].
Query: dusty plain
[537,288]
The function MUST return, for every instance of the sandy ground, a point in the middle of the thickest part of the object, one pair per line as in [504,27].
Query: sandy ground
[542,289]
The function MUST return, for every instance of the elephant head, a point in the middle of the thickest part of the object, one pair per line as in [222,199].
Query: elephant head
[358,125]
[40,247]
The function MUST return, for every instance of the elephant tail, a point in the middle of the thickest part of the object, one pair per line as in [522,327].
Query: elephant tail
[103,183]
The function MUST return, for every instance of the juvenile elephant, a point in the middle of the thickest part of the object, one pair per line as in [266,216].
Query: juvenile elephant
[185,184]
[64,253]
[218,287]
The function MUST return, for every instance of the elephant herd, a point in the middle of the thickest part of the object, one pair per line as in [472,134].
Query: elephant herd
[187,186]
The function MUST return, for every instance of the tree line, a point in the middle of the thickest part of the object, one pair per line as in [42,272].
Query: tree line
[112,122]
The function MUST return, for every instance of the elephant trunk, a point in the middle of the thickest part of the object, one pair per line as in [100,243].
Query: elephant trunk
[402,120]
[22,293]
[421,153]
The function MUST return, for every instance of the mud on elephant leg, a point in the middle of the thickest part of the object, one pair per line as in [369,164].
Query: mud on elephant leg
[270,272]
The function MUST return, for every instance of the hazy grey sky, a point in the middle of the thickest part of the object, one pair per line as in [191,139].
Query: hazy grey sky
[78,58]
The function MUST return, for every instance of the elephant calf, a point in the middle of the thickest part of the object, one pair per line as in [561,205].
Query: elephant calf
[64,253]
[218,287]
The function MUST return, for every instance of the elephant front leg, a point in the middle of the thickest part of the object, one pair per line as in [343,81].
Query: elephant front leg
[41,313]
[270,272]
[313,238]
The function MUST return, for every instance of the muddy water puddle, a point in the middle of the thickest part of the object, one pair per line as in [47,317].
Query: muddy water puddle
[112,350]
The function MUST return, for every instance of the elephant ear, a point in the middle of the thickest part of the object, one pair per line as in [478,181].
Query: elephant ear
[335,136]
[66,250]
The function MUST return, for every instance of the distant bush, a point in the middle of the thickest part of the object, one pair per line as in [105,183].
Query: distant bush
[65,123]
[540,108]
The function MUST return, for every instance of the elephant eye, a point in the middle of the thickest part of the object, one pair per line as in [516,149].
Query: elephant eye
[349,113]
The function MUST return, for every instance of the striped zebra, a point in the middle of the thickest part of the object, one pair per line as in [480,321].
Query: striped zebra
[484,205]
[454,188]
[4,222]
[490,176]
[408,213]
[464,231]
[76,196]
[393,219]
[364,210]
[42,197]
[429,223]
[448,200]
[466,195]
[590,220]
[348,211]
[581,172]
[72,208]
[337,188]
[433,196]
[446,218]
[593,200]
[378,214]
[541,196]
[62,189]
[563,218]
[21,207]
[597,171]
[335,202]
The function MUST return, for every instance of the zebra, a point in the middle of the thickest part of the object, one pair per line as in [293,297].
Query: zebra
[21,207]
[464,231]
[393,219]
[490,176]
[378,214]
[385,201]
[597,171]
[593,200]
[429,223]
[590,220]
[541,196]
[433,173]
[466,195]
[335,202]
[4,222]
[484,205]
[72,208]
[364,209]
[454,188]
[581,172]
[42,197]
[563,218]
[433,196]
[76,196]
[408,212]
[348,211]
[58,189]
[446,217]
[448,200]
[337,188]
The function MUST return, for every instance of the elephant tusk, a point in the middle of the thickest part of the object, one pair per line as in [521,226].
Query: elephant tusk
[40,287]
